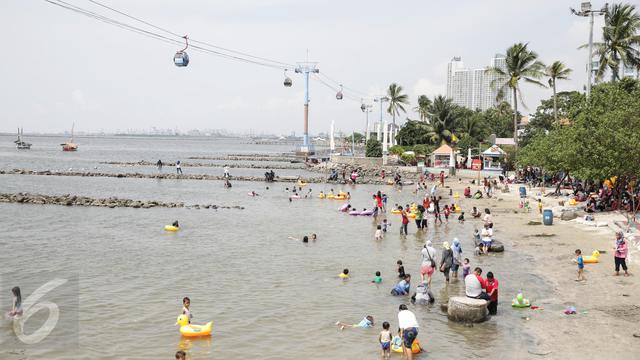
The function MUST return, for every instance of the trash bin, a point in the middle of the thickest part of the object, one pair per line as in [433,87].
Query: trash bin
[547,217]
[523,191]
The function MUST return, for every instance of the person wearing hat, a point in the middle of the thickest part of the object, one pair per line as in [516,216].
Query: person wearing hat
[446,260]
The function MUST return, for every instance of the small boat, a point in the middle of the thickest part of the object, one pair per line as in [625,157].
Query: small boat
[21,144]
[70,145]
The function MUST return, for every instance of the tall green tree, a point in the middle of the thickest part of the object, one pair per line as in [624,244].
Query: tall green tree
[424,104]
[620,39]
[556,71]
[444,116]
[397,100]
[522,64]
[414,132]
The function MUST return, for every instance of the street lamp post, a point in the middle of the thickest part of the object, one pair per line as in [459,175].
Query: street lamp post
[385,148]
[586,11]
[366,109]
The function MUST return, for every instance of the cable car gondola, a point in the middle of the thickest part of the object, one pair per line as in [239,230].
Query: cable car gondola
[181,58]
[287,80]
[339,94]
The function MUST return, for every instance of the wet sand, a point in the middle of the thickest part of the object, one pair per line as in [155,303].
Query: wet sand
[607,306]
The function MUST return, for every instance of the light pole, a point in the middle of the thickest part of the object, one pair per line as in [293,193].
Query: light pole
[586,11]
[366,109]
[305,68]
[381,100]
[384,129]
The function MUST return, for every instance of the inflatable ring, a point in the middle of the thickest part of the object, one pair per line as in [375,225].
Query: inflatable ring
[594,258]
[396,211]
[525,304]
[171,228]
[191,330]
[412,215]
[339,197]
[321,196]
[415,347]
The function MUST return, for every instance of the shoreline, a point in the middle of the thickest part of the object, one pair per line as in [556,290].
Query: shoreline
[605,303]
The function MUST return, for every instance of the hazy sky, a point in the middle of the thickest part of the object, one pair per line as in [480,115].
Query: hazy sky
[61,67]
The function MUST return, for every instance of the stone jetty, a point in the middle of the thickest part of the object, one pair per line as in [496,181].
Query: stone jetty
[237,166]
[249,158]
[112,202]
[173,176]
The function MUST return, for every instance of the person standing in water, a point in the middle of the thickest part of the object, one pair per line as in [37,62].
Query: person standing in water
[457,257]
[159,165]
[408,325]
[178,167]
[16,310]
[226,171]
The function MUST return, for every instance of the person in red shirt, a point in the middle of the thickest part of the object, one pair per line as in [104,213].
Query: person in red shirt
[378,197]
[382,174]
[442,178]
[405,220]
[492,289]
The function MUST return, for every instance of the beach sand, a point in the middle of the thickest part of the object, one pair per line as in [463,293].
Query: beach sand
[608,309]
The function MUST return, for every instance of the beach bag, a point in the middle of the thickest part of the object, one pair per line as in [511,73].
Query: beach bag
[431,262]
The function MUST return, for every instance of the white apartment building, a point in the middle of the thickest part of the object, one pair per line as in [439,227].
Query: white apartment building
[472,88]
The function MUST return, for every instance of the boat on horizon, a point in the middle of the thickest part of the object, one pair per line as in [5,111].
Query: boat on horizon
[70,145]
[21,144]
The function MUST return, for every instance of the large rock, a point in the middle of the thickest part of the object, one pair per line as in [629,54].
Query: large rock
[496,246]
[467,310]
[568,215]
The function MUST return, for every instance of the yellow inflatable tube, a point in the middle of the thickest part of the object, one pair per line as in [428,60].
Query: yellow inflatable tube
[594,258]
[171,228]
[415,347]
[191,330]
[396,211]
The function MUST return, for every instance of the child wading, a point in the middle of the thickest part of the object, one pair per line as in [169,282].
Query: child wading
[385,341]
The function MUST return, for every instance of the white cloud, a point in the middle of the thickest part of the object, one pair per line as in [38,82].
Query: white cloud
[427,87]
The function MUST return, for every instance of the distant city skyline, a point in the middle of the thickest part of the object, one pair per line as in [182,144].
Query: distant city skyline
[472,88]
[68,68]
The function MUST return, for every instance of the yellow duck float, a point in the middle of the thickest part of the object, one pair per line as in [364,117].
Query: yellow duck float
[191,330]
[171,228]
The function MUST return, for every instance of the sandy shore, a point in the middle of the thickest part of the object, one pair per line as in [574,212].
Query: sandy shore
[608,306]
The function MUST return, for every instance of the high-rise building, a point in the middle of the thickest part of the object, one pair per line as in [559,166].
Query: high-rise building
[472,88]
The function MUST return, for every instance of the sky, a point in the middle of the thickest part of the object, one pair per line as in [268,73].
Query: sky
[61,67]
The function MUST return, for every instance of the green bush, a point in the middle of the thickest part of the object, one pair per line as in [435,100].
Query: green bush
[374,148]
[396,150]
[409,159]
[422,149]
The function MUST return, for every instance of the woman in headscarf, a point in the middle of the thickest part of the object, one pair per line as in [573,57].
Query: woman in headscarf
[456,248]
[620,256]
[447,260]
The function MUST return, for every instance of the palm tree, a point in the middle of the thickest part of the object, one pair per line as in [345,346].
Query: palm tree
[556,71]
[396,101]
[443,117]
[424,104]
[521,64]
[472,126]
[619,40]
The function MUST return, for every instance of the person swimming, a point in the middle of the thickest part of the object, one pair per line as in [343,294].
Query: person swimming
[344,274]
[175,224]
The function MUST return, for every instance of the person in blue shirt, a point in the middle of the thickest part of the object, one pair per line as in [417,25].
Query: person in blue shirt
[367,322]
[580,261]
[402,288]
